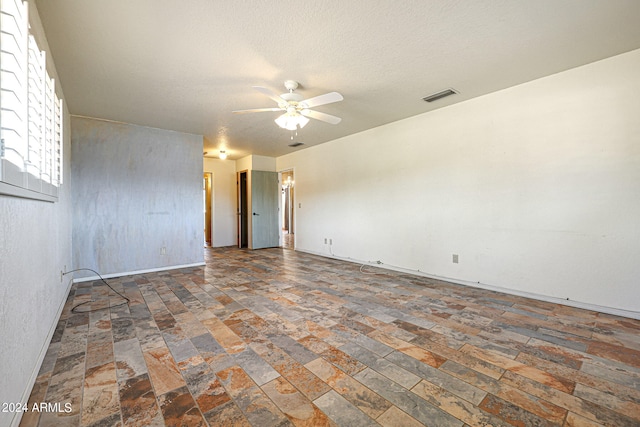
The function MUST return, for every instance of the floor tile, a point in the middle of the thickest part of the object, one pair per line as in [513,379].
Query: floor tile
[394,417]
[355,392]
[226,415]
[100,394]
[294,404]
[381,365]
[130,362]
[163,370]
[179,409]
[138,402]
[203,384]
[405,400]
[279,338]
[343,413]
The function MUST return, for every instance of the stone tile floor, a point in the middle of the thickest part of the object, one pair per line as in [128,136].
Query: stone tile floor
[277,337]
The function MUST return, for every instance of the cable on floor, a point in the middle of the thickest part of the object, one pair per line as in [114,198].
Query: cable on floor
[369,272]
[361,266]
[74,309]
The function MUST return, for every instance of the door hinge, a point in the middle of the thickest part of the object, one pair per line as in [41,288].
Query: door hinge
[2,147]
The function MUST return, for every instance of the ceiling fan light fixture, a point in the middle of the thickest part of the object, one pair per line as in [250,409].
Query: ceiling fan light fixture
[302,121]
[222,155]
[291,121]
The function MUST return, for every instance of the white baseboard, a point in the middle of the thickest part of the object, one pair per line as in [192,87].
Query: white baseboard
[15,422]
[571,303]
[131,273]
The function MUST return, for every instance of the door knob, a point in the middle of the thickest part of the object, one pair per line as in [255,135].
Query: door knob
[256,214]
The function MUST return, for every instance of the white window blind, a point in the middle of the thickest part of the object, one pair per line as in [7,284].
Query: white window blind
[57,141]
[35,101]
[31,121]
[46,173]
[13,82]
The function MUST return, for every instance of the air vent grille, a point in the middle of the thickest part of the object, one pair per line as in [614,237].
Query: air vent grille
[296,144]
[439,95]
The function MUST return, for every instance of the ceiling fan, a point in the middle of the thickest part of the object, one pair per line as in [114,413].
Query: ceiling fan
[296,109]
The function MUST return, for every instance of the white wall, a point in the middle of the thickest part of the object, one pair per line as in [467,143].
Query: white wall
[263,163]
[35,246]
[257,163]
[136,190]
[224,222]
[536,188]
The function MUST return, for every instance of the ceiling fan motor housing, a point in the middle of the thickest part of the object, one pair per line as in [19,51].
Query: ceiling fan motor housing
[291,85]
[291,97]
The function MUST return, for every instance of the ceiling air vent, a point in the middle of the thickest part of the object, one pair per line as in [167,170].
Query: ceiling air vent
[439,95]
[296,144]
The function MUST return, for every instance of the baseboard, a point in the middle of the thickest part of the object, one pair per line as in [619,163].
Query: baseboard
[15,422]
[571,303]
[131,273]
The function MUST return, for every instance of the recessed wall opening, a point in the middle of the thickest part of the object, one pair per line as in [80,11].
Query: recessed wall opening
[243,215]
[287,220]
[207,199]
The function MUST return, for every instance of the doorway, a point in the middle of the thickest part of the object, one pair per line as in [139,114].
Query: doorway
[287,203]
[207,197]
[243,206]
[257,209]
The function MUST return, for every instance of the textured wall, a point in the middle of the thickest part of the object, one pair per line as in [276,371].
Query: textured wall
[534,187]
[35,246]
[136,191]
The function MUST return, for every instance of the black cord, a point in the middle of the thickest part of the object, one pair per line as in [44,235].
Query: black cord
[368,272]
[73,310]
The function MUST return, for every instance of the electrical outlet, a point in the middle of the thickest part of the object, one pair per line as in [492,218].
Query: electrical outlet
[331,241]
[325,240]
[455,258]
[163,250]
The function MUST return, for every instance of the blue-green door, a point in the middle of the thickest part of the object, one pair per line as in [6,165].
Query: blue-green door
[264,210]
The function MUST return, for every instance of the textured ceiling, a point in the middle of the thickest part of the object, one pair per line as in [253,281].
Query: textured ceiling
[185,65]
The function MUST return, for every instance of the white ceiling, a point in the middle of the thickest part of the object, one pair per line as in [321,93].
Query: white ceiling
[185,65]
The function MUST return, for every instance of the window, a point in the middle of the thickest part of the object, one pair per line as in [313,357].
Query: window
[31,119]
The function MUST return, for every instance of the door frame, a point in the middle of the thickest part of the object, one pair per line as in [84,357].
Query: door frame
[292,207]
[242,200]
[208,208]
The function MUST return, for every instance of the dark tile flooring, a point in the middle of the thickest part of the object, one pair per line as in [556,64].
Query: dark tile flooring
[277,337]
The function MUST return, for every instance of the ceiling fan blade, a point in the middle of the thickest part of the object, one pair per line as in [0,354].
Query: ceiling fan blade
[256,110]
[270,94]
[327,98]
[328,118]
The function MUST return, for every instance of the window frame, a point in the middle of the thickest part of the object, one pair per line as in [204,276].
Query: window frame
[31,123]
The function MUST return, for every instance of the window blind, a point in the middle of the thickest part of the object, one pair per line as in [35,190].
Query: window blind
[13,97]
[31,121]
